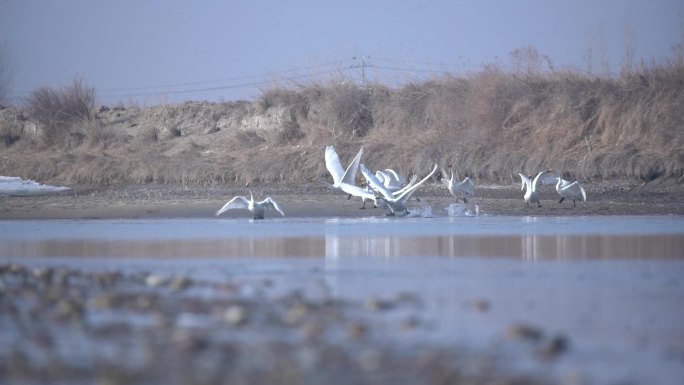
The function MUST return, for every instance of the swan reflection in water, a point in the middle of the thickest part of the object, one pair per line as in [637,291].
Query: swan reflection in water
[523,247]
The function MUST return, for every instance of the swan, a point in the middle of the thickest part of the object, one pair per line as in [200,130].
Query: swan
[390,179]
[396,202]
[341,176]
[463,189]
[549,178]
[345,180]
[573,191]
[531,194]
[256,208]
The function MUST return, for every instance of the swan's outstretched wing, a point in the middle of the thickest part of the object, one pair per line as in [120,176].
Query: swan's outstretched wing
[525,181]
[349,176]
[271,204]
[395,180]
[536,179]
[375,184]
[447,182]
[239,202]
[412,181]
[575,191]
[406,194]
[332,163]
[381,176]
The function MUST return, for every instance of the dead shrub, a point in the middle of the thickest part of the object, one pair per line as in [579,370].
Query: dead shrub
[56,110]
[11,126]
[150,134]
[168,132]
[348,108]
[289,133]
[295,100]
[9,134]
[248,138]
[98,134]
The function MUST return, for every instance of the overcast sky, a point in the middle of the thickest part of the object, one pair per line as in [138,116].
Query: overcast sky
[173,50]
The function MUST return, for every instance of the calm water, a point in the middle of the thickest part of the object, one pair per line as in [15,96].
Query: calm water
[517,237]
[613,285]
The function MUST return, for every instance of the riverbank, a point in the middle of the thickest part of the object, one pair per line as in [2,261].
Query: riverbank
[315,200]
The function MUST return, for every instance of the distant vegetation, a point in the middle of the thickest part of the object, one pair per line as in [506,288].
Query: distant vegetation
[60,111]
[6,71]
[490,125]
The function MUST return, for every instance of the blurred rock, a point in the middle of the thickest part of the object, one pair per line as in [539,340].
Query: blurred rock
[235,315]
[524,332]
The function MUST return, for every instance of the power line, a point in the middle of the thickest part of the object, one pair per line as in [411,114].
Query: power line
[433,64]
[218,88]
[363,62]
[256,76]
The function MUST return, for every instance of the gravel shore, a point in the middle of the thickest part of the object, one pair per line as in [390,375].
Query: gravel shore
[63,325]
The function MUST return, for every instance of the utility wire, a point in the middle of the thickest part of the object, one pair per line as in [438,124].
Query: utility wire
[433,64]
[224,87]
[262,75]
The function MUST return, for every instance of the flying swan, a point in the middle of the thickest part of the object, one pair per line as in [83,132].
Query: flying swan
[256,208]
[345,180]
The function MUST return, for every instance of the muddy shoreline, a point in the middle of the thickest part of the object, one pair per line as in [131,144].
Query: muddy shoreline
[315,200]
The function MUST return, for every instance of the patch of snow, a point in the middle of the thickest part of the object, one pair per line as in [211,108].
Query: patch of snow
[15,186]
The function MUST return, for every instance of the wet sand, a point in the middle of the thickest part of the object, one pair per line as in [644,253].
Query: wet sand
[163,201]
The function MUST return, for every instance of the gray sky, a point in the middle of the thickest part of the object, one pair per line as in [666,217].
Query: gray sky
[168,50]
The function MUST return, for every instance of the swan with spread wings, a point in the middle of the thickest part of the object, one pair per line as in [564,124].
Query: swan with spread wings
[254,207]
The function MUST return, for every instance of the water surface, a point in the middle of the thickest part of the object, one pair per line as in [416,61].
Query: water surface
[613,285]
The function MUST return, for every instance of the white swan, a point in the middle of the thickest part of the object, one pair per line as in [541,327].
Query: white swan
[345,180]
[573,191]
[390,179]
[341,176]
[549,178]
[396,202]
[256,208]
[531,194]
[461,190]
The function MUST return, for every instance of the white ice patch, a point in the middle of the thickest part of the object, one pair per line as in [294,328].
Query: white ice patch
[15,186]
[462,210]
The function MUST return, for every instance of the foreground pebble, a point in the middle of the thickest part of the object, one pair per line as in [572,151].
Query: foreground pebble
[68,326]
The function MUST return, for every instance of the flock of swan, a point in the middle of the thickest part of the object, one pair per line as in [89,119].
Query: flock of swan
[566,189]
[389,190]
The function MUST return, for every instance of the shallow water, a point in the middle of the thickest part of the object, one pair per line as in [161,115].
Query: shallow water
[613,285]
[525,238]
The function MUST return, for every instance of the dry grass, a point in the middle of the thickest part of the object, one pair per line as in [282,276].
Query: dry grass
[58,111]
[488,125]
